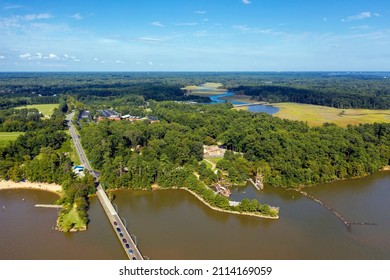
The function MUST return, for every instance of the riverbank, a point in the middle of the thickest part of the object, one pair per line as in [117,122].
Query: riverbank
[258,215]
[10,185]
[156,187]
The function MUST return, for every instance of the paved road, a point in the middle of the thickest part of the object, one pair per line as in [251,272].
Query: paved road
[120,229]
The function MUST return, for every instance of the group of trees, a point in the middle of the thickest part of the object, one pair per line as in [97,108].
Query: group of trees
[139,155]
[40,155]
[332,97]
[289,153]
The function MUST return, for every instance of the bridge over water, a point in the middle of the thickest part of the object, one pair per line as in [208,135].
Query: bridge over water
[125,238]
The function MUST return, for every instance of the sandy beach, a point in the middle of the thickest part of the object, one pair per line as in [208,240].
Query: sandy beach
[10,185]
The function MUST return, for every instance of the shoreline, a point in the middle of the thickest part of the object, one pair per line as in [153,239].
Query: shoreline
[158,188]
[385,168]
[26,185]
[229,211]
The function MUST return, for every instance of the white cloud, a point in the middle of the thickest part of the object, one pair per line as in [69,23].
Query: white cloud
[119,61]
[150,63]
[360,27]
[149,39]
[25,56]
[246,2]
[2,57]
[200,12]
[96,59]
[77,16]
[157,23]
[186,24]
[246,29]
[201,33]
[53,56]
[37,16]
[362,15]
[11,7]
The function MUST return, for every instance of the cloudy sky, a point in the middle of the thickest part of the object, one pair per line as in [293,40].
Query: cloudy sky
[195,35]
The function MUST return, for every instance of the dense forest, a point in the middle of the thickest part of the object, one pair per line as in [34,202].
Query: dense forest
[340,90]
[345,98]
[288,153]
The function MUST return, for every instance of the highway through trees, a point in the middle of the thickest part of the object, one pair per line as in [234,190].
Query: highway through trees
[124,236]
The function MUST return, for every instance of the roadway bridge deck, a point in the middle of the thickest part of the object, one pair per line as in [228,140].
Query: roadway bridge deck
[124,236]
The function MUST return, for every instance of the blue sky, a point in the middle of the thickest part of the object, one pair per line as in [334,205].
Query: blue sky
[197,35]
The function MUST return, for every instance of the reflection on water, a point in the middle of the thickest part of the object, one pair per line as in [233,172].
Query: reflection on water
[175,225]
[215,99]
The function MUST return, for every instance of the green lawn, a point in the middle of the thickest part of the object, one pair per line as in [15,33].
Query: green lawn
[316,115]
[208,164]
[73,218]
[6,137]
[46,109]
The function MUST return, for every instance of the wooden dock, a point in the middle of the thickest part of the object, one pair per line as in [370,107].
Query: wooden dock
[48,206]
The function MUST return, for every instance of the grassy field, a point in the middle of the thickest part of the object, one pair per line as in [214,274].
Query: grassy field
[239,98]
[206,89]
[46,109]
[317,115]
[213,159]
[6,137]
[73,218]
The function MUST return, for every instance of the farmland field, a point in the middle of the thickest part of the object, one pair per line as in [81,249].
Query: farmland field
[46,109]
[316,115]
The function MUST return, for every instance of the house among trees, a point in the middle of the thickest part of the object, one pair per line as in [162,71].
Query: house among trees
[79,170]
[213,151]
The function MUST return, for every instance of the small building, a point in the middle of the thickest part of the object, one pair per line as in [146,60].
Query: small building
[86,115]
[213,151]
[79,170]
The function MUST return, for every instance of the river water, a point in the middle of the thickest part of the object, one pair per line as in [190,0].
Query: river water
[260,108]
[173,224]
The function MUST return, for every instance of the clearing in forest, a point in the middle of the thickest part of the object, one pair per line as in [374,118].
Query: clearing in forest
[46,109]
[316,115]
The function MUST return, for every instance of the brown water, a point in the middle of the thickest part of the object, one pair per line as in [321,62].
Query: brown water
[175,225]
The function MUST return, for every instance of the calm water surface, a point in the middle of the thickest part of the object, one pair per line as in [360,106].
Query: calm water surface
[254,109]
[175,225]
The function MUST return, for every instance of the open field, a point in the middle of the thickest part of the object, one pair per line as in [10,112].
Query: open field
[6,137]
[46,109]
[213,159]
[239,98]
[316,115]
[206,89]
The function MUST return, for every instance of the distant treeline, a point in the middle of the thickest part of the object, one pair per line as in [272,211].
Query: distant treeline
[9,101]
[328,97]
[340,90]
